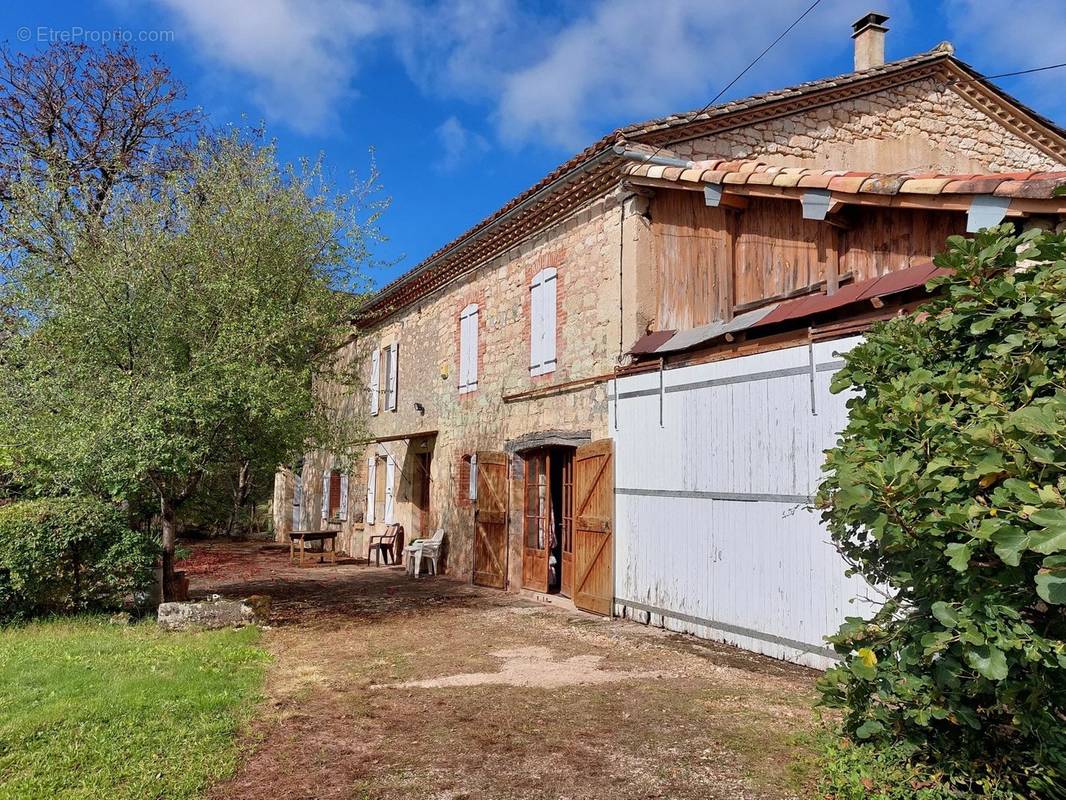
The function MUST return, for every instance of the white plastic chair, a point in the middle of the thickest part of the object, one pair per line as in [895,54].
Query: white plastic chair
[428,549]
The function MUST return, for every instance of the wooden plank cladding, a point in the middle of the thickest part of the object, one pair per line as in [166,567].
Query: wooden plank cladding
[778,251]
[710,261]
[693,254]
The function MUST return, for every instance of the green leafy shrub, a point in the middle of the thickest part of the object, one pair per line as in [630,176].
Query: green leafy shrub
[69,554]
[947,489]
[858,771]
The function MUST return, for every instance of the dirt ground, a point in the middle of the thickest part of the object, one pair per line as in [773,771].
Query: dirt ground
[387,687]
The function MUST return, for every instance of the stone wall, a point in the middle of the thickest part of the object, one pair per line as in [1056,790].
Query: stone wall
[585,251]
[919,126]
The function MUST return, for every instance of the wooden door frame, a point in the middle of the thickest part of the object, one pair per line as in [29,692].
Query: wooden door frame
[529,458]
[552,513]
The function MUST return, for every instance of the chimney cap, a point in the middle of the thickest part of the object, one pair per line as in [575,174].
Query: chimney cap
[873,20]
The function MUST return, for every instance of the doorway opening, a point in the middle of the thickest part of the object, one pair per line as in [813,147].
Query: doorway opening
[548,522]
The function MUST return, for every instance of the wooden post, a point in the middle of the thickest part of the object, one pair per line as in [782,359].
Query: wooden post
[832,262]
[728,294]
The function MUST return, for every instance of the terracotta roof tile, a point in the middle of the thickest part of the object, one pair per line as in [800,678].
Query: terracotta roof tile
[924,185]
[849,184]
[982,185]
[1027,185]
[1036,188]
[883,184]
[815,181]
[765,178]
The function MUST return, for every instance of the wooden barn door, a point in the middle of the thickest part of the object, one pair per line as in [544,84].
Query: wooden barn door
[594,527]
[490,521]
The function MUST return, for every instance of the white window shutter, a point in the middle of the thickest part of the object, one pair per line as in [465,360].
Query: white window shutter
[375,380]
[297,500]
[342,512]
[325,496]
[390,483]
[548,332]
[371,485]
[468,349]
[392,377]
[534,326]
[542,322]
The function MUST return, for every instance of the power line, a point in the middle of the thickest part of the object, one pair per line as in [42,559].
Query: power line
[744,71]
[1010,74]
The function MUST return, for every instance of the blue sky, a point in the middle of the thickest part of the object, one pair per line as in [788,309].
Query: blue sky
[469,102]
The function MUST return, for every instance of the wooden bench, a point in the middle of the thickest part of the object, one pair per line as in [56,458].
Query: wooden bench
[303,537]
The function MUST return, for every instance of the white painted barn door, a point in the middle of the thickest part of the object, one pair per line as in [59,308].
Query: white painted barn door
[714,531]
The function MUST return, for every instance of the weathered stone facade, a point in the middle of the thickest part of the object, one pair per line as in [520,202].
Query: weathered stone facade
[585,250]
[918,126]
[605,300]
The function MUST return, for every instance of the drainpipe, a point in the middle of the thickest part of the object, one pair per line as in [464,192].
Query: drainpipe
[655,158]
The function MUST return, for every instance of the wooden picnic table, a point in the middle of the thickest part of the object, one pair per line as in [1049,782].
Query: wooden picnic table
[303,537]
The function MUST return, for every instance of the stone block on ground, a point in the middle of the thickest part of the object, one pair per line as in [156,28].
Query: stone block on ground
[214,613]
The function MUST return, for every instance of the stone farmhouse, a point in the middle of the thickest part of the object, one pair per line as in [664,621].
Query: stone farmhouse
[527,382]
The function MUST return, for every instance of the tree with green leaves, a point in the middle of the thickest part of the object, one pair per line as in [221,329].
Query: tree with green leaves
[947,489]
[190,331]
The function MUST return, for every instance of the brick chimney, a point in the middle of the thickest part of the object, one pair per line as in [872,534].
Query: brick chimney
[869,36]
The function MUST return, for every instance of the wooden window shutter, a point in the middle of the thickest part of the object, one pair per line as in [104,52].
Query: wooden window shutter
[375,380]
[468,325]
[390,490]
[371,483]
[342,497]
[542,322]
[392,360]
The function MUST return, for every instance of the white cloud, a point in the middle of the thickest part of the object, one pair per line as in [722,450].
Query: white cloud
[633,59]
[560,78]
[457,144]
[300,57]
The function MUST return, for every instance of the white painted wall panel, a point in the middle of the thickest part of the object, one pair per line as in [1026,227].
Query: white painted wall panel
[713,533]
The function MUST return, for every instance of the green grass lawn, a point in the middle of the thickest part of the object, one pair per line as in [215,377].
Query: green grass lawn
[93,710]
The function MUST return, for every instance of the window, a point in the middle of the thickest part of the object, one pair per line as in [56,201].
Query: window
[542,299]
[468,349]
[392,368]
[375,380]
[467,480]
[335,496]
[380,489]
